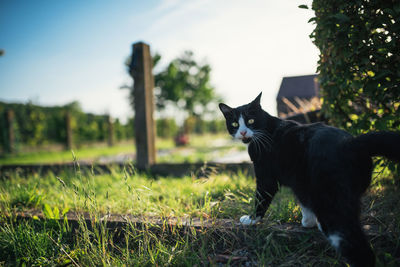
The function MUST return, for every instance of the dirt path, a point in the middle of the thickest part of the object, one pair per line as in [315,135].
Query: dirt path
[233,156]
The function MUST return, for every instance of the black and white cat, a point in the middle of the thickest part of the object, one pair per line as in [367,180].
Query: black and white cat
[327,169]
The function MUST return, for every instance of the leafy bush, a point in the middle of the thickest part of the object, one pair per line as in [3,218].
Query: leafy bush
[359,63]
[166,127]
[37,125]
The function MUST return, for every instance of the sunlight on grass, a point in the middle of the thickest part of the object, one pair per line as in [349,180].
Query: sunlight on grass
[201,148]
[130,193]
[126,192]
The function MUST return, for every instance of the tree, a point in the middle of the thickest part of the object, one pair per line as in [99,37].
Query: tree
[185,84]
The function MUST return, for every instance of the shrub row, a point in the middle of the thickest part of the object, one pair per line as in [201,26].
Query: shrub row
[37,125]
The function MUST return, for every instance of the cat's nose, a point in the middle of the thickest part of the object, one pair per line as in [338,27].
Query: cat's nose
[243,132]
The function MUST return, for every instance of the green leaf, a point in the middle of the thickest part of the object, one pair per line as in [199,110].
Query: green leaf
[341,17]
[353,117]
[312,19]
[303,6]
[56,213]
[370,73]
[47,212]
[397,8]
[64,211]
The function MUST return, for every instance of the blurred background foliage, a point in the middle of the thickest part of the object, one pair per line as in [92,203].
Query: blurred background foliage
[36,125]
[184,84]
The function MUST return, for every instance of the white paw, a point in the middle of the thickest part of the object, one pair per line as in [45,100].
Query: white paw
[309,219]
[308,222]
[246,220]
[319,226]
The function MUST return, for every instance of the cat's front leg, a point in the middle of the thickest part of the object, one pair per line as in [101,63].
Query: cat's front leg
[248,220]
[309,219]
[266,190]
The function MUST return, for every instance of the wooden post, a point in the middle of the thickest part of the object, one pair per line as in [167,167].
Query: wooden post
[10,142]
[68,131]
[141,71]
[110,128]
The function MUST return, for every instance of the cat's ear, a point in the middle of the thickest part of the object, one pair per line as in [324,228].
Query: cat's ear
[225,109]
[256,102]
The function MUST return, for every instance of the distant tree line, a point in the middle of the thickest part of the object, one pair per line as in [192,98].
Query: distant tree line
[35,125]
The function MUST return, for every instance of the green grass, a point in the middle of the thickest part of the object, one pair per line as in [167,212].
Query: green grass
[127,192]
[199,150]
[85,153]
[221,195]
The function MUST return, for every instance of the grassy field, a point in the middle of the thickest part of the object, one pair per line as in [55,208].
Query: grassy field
[127,192]
[199,149]
[57,156]
[221,195]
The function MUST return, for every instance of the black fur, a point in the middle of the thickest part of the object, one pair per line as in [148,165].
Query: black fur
[327,169]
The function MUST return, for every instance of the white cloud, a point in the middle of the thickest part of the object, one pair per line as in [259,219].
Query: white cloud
[250,45]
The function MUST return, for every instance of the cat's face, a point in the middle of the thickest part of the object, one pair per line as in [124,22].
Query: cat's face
[245,121]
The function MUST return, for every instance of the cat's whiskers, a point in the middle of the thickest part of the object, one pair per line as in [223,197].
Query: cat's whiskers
[266,135]
[258,143]
[262,138]
[262,133]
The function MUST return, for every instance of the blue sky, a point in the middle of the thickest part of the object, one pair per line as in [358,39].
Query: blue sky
[60,51]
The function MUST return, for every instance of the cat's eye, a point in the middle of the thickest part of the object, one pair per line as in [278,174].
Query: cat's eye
[235,124]
[251,121]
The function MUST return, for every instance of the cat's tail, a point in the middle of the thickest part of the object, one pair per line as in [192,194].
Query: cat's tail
[385,144]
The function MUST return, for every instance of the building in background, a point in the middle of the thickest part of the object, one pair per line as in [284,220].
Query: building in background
[298,94]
